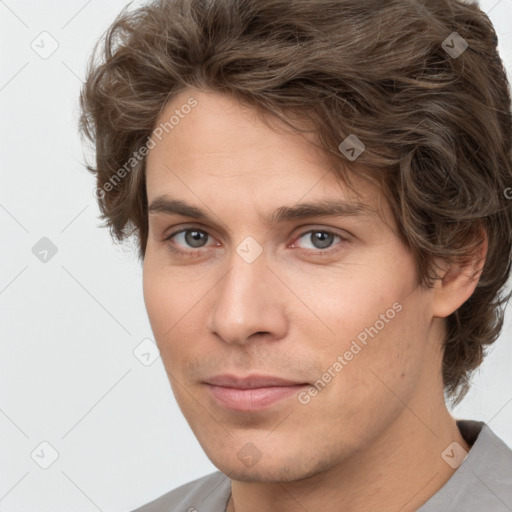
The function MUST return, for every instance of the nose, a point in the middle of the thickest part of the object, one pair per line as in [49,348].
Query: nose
[248,302]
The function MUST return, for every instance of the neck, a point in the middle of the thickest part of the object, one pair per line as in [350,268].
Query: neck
[401,470]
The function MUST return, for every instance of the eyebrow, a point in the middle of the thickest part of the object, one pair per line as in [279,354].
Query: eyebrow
[323,208]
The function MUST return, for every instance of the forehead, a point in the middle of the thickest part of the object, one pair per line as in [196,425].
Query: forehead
[224,151]
[219,135]
[219,128]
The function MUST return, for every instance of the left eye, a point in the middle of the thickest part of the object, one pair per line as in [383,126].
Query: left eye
[320,239]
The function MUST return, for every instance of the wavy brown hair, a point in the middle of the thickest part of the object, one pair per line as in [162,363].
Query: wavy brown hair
[436,126]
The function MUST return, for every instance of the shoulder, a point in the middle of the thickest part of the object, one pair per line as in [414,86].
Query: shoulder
[483,481]
[209,493]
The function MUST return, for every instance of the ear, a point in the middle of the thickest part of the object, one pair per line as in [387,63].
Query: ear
[457,283]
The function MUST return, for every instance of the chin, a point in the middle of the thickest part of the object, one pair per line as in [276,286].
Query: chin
[274,468]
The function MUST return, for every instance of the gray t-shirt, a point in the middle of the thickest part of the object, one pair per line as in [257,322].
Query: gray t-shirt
[482,483]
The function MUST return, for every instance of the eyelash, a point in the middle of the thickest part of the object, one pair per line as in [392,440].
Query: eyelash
[199,251]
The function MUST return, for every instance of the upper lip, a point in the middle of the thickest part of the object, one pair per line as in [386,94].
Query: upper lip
[250,382]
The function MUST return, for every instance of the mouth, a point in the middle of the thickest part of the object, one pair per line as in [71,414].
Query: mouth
[251,393]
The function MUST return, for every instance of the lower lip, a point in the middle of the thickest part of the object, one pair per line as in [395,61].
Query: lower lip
[252,399]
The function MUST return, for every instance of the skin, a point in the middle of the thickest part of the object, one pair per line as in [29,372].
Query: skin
[372,439]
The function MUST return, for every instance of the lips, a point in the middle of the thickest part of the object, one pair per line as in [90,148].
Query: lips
[251,393]
[251,382]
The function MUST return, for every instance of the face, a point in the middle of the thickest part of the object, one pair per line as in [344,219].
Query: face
[281,340]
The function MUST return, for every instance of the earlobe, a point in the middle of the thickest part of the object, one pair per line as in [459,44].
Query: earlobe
[456,283]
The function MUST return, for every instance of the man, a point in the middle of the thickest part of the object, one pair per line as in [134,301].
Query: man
[319,192]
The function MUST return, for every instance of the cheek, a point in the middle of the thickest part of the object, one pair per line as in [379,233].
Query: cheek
[164,304]
[378,327]
[349,307]
[389,362]
[156,297]
[172,302]
[167,295]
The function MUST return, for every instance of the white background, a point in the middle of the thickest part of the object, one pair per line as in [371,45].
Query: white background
[68,327]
